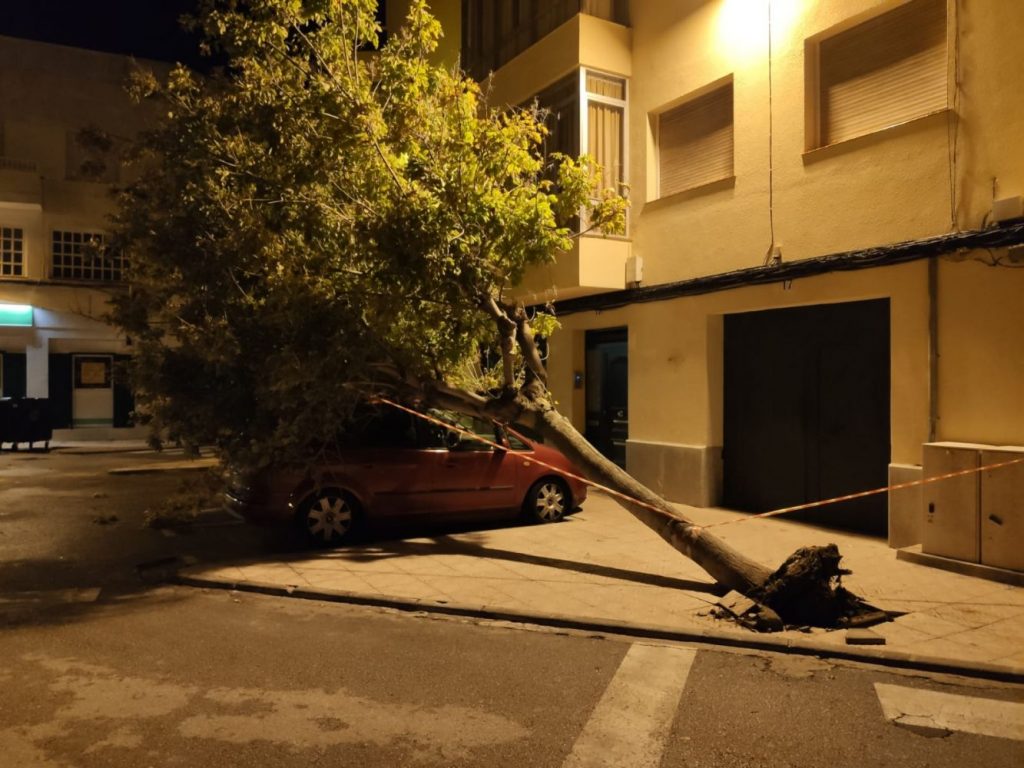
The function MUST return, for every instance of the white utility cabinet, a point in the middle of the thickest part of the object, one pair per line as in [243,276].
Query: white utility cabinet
[976,517]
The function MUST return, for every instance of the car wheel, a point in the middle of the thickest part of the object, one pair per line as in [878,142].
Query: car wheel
[547,501]
[328,518]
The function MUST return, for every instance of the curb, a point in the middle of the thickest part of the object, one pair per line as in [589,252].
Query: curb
[914,554]
[184,465]
[799,646]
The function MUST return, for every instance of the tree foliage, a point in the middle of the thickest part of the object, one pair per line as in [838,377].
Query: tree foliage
[320,218]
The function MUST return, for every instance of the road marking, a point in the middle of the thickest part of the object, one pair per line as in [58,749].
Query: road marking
[933,710]
[51,596]
[631,723]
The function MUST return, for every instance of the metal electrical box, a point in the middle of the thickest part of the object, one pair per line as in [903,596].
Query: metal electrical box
[1002,510]
[976,517]
[951,505]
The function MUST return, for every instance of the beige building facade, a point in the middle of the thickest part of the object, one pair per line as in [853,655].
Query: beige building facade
[823,268]
[55,278]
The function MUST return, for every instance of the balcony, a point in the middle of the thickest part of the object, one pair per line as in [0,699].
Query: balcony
[594,265]
[21,186]
[496,31]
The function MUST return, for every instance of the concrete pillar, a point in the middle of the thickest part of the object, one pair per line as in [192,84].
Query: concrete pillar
[37,367]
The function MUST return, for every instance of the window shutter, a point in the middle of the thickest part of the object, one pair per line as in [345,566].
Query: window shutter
[606,85]
[695,142]
[883,72]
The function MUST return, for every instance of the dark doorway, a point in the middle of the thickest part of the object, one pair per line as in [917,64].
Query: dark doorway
[13,380]
[807,411]
[607,389]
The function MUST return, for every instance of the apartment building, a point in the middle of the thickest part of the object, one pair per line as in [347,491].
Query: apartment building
[56,279]
[823,265]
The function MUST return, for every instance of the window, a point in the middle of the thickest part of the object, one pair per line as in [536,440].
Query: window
[561,105]
[515,443]
[605,126]
[883,72]
[12,252]
[82,256]
[92,372]
[459,441]
[695,142]
[597,129]
[585,113]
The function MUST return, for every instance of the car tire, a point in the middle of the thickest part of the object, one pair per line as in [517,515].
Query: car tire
[328,518]
[547,501]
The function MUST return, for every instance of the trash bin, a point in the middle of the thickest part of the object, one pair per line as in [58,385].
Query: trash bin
[6,421]
[25,420]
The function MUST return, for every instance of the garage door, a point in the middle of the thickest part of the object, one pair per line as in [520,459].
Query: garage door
[807,410]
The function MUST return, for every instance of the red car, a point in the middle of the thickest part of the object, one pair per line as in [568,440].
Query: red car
[396,465]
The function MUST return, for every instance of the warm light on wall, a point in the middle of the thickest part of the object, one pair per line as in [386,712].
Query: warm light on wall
[743,24]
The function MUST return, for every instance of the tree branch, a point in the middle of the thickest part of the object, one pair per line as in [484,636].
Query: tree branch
[507,337]
[528,345]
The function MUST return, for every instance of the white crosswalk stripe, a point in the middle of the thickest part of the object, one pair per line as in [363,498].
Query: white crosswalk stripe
[632,721]
[920,708]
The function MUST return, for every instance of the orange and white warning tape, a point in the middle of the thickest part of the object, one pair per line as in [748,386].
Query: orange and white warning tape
[632,500]
[862,494]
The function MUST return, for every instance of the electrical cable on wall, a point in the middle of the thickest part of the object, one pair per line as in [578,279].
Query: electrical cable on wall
[953,122]
[771,253]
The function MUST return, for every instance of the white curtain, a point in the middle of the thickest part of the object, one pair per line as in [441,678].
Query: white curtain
[604,142]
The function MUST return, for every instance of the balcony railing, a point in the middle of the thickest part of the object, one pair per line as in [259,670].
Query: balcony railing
[495,31]
[14,164]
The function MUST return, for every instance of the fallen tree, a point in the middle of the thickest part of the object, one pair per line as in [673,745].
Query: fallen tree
[314,224]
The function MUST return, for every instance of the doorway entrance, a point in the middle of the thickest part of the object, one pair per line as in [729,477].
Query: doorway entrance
[92,396]
[607,392]
[806,411]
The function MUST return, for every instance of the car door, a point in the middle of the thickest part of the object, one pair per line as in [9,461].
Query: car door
[472,475]
[386,465]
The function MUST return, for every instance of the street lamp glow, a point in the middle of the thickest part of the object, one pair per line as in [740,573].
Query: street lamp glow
[743,25]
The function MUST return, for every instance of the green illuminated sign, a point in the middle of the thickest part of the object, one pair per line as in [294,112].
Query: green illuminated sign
[16,314]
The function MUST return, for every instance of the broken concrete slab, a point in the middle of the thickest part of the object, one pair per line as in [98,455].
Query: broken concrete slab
[861,636]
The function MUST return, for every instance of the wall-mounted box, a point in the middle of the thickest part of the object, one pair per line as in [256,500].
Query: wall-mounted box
[951,505]
[1002,510]
[976,517]
[1008,209]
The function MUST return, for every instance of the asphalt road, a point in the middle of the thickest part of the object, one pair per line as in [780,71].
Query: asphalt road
[101,666]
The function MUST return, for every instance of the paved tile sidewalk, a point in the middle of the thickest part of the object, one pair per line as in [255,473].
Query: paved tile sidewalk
[602,564]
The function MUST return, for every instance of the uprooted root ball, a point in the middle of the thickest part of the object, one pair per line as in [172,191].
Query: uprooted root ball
[807,590]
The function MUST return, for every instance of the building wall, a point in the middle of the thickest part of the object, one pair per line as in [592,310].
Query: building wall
[826,200]
[930,176]
[447,12]
[50,93]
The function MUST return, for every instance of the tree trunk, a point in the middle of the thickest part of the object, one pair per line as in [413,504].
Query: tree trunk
[722,562]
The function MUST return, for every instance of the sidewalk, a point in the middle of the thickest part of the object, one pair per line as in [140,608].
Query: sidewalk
[602,568]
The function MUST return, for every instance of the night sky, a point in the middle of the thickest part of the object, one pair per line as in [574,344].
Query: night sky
[143,28]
